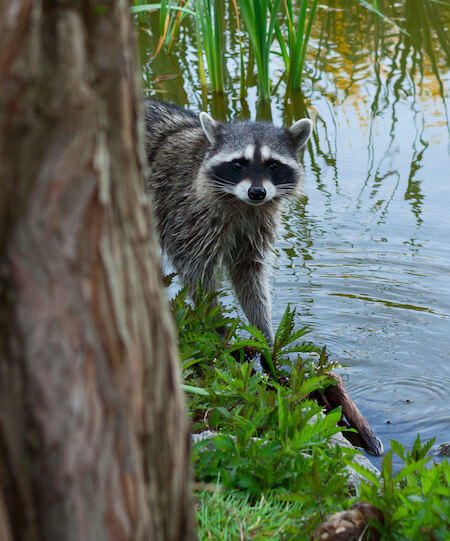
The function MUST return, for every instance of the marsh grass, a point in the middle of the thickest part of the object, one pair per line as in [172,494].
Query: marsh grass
[210,39]
[170,17]
[260,18]
[294,46]
[259,23]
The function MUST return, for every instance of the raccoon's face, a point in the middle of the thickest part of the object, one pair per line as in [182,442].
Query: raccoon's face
[255,162]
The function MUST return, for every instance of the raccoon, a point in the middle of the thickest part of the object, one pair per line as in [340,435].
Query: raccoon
[218,190]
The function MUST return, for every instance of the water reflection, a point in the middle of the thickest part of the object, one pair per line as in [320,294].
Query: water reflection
[365,257]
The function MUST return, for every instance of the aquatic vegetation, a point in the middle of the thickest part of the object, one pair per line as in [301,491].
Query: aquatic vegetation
[209,29]
[260,19]
[263,21]
[170,17]
[298,32]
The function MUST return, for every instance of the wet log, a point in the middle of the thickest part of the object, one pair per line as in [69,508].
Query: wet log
[336,395]
[351,524]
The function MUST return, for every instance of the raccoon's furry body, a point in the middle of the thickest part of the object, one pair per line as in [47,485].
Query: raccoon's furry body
[217,197]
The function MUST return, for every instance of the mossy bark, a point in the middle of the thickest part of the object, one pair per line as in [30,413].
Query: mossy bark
[94,440]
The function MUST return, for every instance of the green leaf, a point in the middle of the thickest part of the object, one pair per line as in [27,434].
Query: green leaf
[153,7]
[194,390]
[398,449]
[365,472]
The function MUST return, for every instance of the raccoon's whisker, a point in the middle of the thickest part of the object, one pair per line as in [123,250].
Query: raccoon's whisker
[285,185]
[217,185]
[219,190]
[220,180]
[222,195]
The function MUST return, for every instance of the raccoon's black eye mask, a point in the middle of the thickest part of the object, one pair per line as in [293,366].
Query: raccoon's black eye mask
[280,173]
[272,164]
[230,172]
[239,169]
[240,164]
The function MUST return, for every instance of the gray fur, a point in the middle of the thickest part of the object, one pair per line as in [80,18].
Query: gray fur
[202,223]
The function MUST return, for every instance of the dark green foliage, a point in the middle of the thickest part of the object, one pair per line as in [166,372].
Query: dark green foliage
[198,325]
[415,501]
[290,469]
[271,451]
[273,439]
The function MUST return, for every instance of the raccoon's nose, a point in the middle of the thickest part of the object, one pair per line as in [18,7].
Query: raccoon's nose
[256,193]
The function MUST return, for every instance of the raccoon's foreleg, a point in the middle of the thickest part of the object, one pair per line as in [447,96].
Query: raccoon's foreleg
[195,277]
[251,283]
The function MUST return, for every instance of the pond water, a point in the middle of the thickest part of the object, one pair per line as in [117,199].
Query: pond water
[365,258]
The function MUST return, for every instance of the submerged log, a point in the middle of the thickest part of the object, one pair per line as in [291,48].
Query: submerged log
[336,395]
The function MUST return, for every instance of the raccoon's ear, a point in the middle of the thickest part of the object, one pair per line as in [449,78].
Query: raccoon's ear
[301,132]
[209,126]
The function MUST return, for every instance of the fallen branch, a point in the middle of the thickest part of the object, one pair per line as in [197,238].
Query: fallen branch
[336,395]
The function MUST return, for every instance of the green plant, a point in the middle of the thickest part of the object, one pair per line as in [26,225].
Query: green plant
[285,344]
[271,434]
[165,6]
[211,342]
[275,429]
[210,31]
[414,501]
[227,516]
[298,33]
[198,325]
[374,7]
[170,18]
[272,442]
[260,18]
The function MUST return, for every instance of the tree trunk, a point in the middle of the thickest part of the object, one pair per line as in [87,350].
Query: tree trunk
[94,440]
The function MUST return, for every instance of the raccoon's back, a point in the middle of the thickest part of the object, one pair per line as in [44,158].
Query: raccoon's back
[175,146]
[169,129]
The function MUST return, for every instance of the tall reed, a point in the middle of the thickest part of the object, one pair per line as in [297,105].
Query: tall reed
[209,27]
[298,33]
[170,17]
[260,18]
[263,21]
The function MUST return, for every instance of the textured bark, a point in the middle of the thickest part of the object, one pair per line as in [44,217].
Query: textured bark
[94,439]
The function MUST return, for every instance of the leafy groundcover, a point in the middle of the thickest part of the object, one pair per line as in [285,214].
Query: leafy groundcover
[269,473]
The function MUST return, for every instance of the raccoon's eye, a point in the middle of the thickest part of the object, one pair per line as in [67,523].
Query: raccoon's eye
[239,164]
[272,164]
